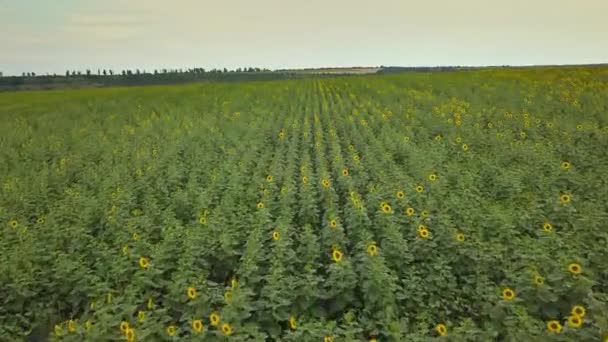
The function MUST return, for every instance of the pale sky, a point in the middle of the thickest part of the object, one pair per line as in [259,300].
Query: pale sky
[55,35]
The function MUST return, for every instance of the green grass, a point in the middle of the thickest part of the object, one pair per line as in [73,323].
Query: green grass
[94,181]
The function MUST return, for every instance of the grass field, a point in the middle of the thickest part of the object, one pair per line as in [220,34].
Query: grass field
[457,206]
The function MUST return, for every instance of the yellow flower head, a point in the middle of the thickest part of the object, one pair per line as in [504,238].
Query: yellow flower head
[538,280]
[554,326]
[233,283]
[292,323]
[144,262]
[410,211]
[40,220]
[564,198]
[579,127]
[333,223]
[578,310]
[325,183]
[202,220]
[260,205]
[276,235]
[547,227]
[171,330]
[400,194]
[135,236]
[226,329]
[214,319]
[130,335]
[438,137]
[425,213]
[575,321]
[372,250]
[191,292]
[269,178]
[124,325]
[458,140]
[337,255]
[58,330]
[328,339]
[575,268]
[441,329]
[228,296]
[419,188]
[197,326]
[281,135]
[141,316]
[13,223]
[423,233]
[305,180]
[566,165]
[150,304]
[386,208]
[508,294]
[460,237]
[432,177]
[88,325]
[72,326]
[344,172]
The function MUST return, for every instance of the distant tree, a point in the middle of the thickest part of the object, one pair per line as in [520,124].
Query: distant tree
[1,74]
[88,72]
[79,73]
[73,72]
[98,72]
[137,71]
[105,72]
[129,72]
[123,72]
[111,72]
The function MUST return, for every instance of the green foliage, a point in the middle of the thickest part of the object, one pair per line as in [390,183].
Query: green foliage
[283,206]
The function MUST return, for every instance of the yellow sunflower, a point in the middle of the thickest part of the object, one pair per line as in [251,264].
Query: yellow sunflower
[372,249]
[465,147]
[400,194]
[575,321]
[538,280]
[328,339]
[269,178]
[438,137]
[386,208]
[419,188]
[305,180]
[40,220]
[564,198]
[333,223]
[150,304]
[13,223]
[191,292]
[292,323]
[575,268]
[141,316]
[171,330]
[554,326]
[441,329]
[410,211]
[124,325]
[423,233]
[144,262]
[547,227]
[197,325]
[260,205]
[226,329]
[233,283]
[228,296]
[214,319]
[508,294]
[337,255]
[325,183]
[344,172]
[566,165]
[130,335]
[458,140]
[460,237]
[432,177]
[72,326]
[276,235]
[425,213]
[578,310]
[88,325]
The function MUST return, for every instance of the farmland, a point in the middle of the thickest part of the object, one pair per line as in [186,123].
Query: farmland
[461,206]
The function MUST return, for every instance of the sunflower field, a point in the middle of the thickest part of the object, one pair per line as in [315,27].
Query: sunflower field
[455,206]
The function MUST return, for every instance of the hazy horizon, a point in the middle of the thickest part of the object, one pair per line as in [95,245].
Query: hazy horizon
[45,37]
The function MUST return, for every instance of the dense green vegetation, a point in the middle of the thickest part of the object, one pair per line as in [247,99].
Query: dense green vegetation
[461,206]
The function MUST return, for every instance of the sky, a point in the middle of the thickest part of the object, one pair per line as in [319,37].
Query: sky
[51,36]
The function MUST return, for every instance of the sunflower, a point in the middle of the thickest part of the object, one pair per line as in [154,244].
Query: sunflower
[344,172]
[425,213]
[144,263]
[328,339]
[325,183]
[441,329]
[130,335]
[13,224]
[141,316]
[460,237]
[575,321]
[305,180]
[508,294]
[554,326]
[565,165]
[226,329]
[171,330]
[40,220]
[135,237]
[564,198]
[269,178]
[333,223]
[372,250]
[58,330]
[124,325]
[228,296]
[465,147]
[423,233]
[373,340]
[538,280]
[276,235]
[386,208]
[578,310]
[260,205]
[72,326]
[202,220]
[579,127]
[197,325]
[400,194]
[522,135]
[336,255]
[88,325]
[438,137]
[292,323]
[432,177]
[409,211]
[575,268]
[356,158]
[150,304]
[281,135]
[421,227]
[214,319]
[419,188]
[125,250]
[458,140]
[547,227]
[233,283]
[191,292]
